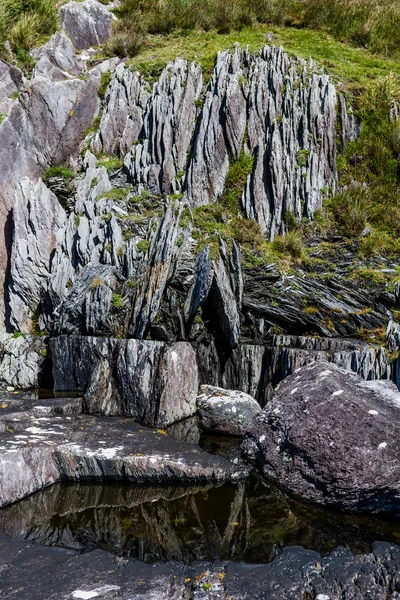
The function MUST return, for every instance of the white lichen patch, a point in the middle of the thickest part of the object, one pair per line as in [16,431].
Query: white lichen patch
[382,445]
[373,412]
[294,390]
[338,393]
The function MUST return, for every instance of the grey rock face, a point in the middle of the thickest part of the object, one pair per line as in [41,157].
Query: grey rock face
[158,161]
[330,437]
[37,217]
[88,306]
[350,126]
[271,298]
[11,82]
[122,117]
[57,60]
[87,23]
[221,130]
[21,359]
[149,381]
[225,411]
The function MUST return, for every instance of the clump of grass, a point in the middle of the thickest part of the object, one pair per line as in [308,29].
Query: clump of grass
[117,301]
[351,209]
[58,171]
[379,243]
[143,246]
[115,194]
[26,24]
[111,163]
[235,181]
[96,282]
[290,244]
[127,39]
[373,160]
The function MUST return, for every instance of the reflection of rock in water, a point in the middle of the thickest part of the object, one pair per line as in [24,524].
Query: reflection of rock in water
[250,522]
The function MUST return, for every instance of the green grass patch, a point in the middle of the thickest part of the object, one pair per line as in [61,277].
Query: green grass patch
[58,171]
[26,24]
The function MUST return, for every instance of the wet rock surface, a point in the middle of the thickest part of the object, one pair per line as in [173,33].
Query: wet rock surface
[37,451]
[329,437]
[225,411]
[28,571]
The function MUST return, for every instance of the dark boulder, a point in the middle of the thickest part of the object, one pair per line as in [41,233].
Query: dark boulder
[332,438]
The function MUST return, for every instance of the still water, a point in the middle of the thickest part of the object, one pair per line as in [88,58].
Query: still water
[250,521]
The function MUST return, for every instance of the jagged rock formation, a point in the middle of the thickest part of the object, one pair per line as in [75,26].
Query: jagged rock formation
[122,117]
[11,82]
[329,437]
[292,132]
[225,411]
[160,156]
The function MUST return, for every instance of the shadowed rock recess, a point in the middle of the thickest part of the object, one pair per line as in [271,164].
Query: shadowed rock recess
[128,205]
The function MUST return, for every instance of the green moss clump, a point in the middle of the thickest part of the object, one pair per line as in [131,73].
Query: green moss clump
[143,246]
[58,171]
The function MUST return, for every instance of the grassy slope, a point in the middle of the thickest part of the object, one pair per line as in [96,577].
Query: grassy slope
[356,67]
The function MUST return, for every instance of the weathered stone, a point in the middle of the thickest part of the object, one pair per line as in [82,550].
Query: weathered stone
[11,82]
[330,437]
[292,133]
[87,23]
[293,574]
[37,217]
[154,383]
[44,127]
[21,359]
[88,307]
[257,369]
[57,60]
[225,411]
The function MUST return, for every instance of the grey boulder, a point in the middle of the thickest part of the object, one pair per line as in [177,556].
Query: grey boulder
[87,23]
[225,411]
[331,438]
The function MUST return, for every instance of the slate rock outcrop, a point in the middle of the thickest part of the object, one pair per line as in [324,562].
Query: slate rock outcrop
[152,382]
[330,437]
[225,411]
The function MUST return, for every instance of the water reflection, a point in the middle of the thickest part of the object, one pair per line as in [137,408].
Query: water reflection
[250,521]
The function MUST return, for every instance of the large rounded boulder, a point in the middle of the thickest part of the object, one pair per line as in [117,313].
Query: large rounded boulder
[223,411]
[332,438]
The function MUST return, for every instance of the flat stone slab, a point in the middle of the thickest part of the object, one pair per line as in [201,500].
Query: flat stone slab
[42,573]
[37,452]
[24,406]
